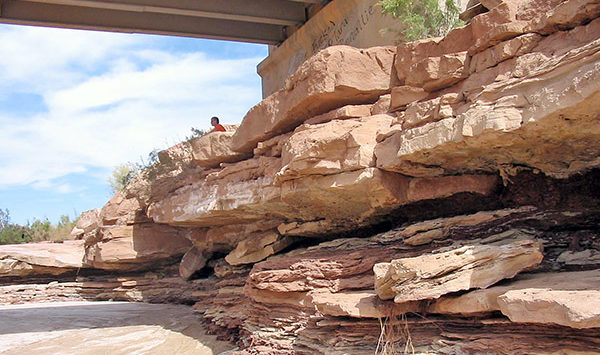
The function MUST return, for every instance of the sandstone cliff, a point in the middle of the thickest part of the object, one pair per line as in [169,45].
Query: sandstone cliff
[439,197]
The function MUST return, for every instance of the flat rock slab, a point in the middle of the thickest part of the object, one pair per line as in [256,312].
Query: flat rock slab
[42,258]
[575,309]
[213,149]
[104,328]
[433,275]
[485,301]
[136,247]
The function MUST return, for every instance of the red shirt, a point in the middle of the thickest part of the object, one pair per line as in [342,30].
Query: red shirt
[219,128]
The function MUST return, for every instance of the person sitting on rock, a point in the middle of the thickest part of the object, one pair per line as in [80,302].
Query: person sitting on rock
[214,121]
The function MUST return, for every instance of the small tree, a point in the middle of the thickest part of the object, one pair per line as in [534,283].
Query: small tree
[4,218]
[122,175]
[11,233]
[422,18]
[196,133]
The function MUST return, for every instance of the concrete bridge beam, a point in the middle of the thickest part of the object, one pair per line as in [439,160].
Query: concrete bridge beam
[260,21]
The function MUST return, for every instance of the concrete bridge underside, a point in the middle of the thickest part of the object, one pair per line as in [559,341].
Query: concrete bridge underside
[258,21]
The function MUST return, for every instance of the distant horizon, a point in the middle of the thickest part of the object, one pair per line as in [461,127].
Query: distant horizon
[74,104]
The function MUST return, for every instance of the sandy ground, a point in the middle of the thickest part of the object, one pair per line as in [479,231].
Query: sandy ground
[104,328]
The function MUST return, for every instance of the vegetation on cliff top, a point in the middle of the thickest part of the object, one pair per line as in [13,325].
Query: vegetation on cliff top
[125,173]
[422,18]
[35,231]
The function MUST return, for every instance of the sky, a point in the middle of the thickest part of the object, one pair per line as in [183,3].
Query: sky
[74,104]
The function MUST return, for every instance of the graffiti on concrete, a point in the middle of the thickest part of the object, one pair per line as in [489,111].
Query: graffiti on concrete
[344,31]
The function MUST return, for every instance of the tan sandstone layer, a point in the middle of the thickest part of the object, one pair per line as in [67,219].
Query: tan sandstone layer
[467,165]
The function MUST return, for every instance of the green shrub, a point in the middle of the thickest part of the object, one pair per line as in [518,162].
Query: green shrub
[196,133]
[150,167]
[122,175]
[35,231]
[422,18]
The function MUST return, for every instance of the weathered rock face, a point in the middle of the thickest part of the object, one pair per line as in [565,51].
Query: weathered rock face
[436,195]
[325,300]
[334,77]
[239,193]
[252,190]
[527,88]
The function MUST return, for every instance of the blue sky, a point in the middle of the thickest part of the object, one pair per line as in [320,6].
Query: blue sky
[75,104]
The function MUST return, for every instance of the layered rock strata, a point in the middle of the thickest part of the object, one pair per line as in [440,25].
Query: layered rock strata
[425,197]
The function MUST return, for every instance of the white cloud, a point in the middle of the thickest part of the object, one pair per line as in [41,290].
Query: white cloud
[45,58]
[111,99]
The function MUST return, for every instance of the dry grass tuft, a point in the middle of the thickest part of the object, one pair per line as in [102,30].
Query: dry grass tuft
[394,337]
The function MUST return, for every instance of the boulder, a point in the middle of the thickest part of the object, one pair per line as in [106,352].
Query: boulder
[334,77]
[575,309]
[87,222]
[122,210]
[409,54]
[433,275]
[257,248]
[213,149]
[193,260]
[435,73]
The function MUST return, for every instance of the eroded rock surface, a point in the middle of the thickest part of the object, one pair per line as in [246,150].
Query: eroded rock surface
[528,88]
[105,327]
[457,175]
